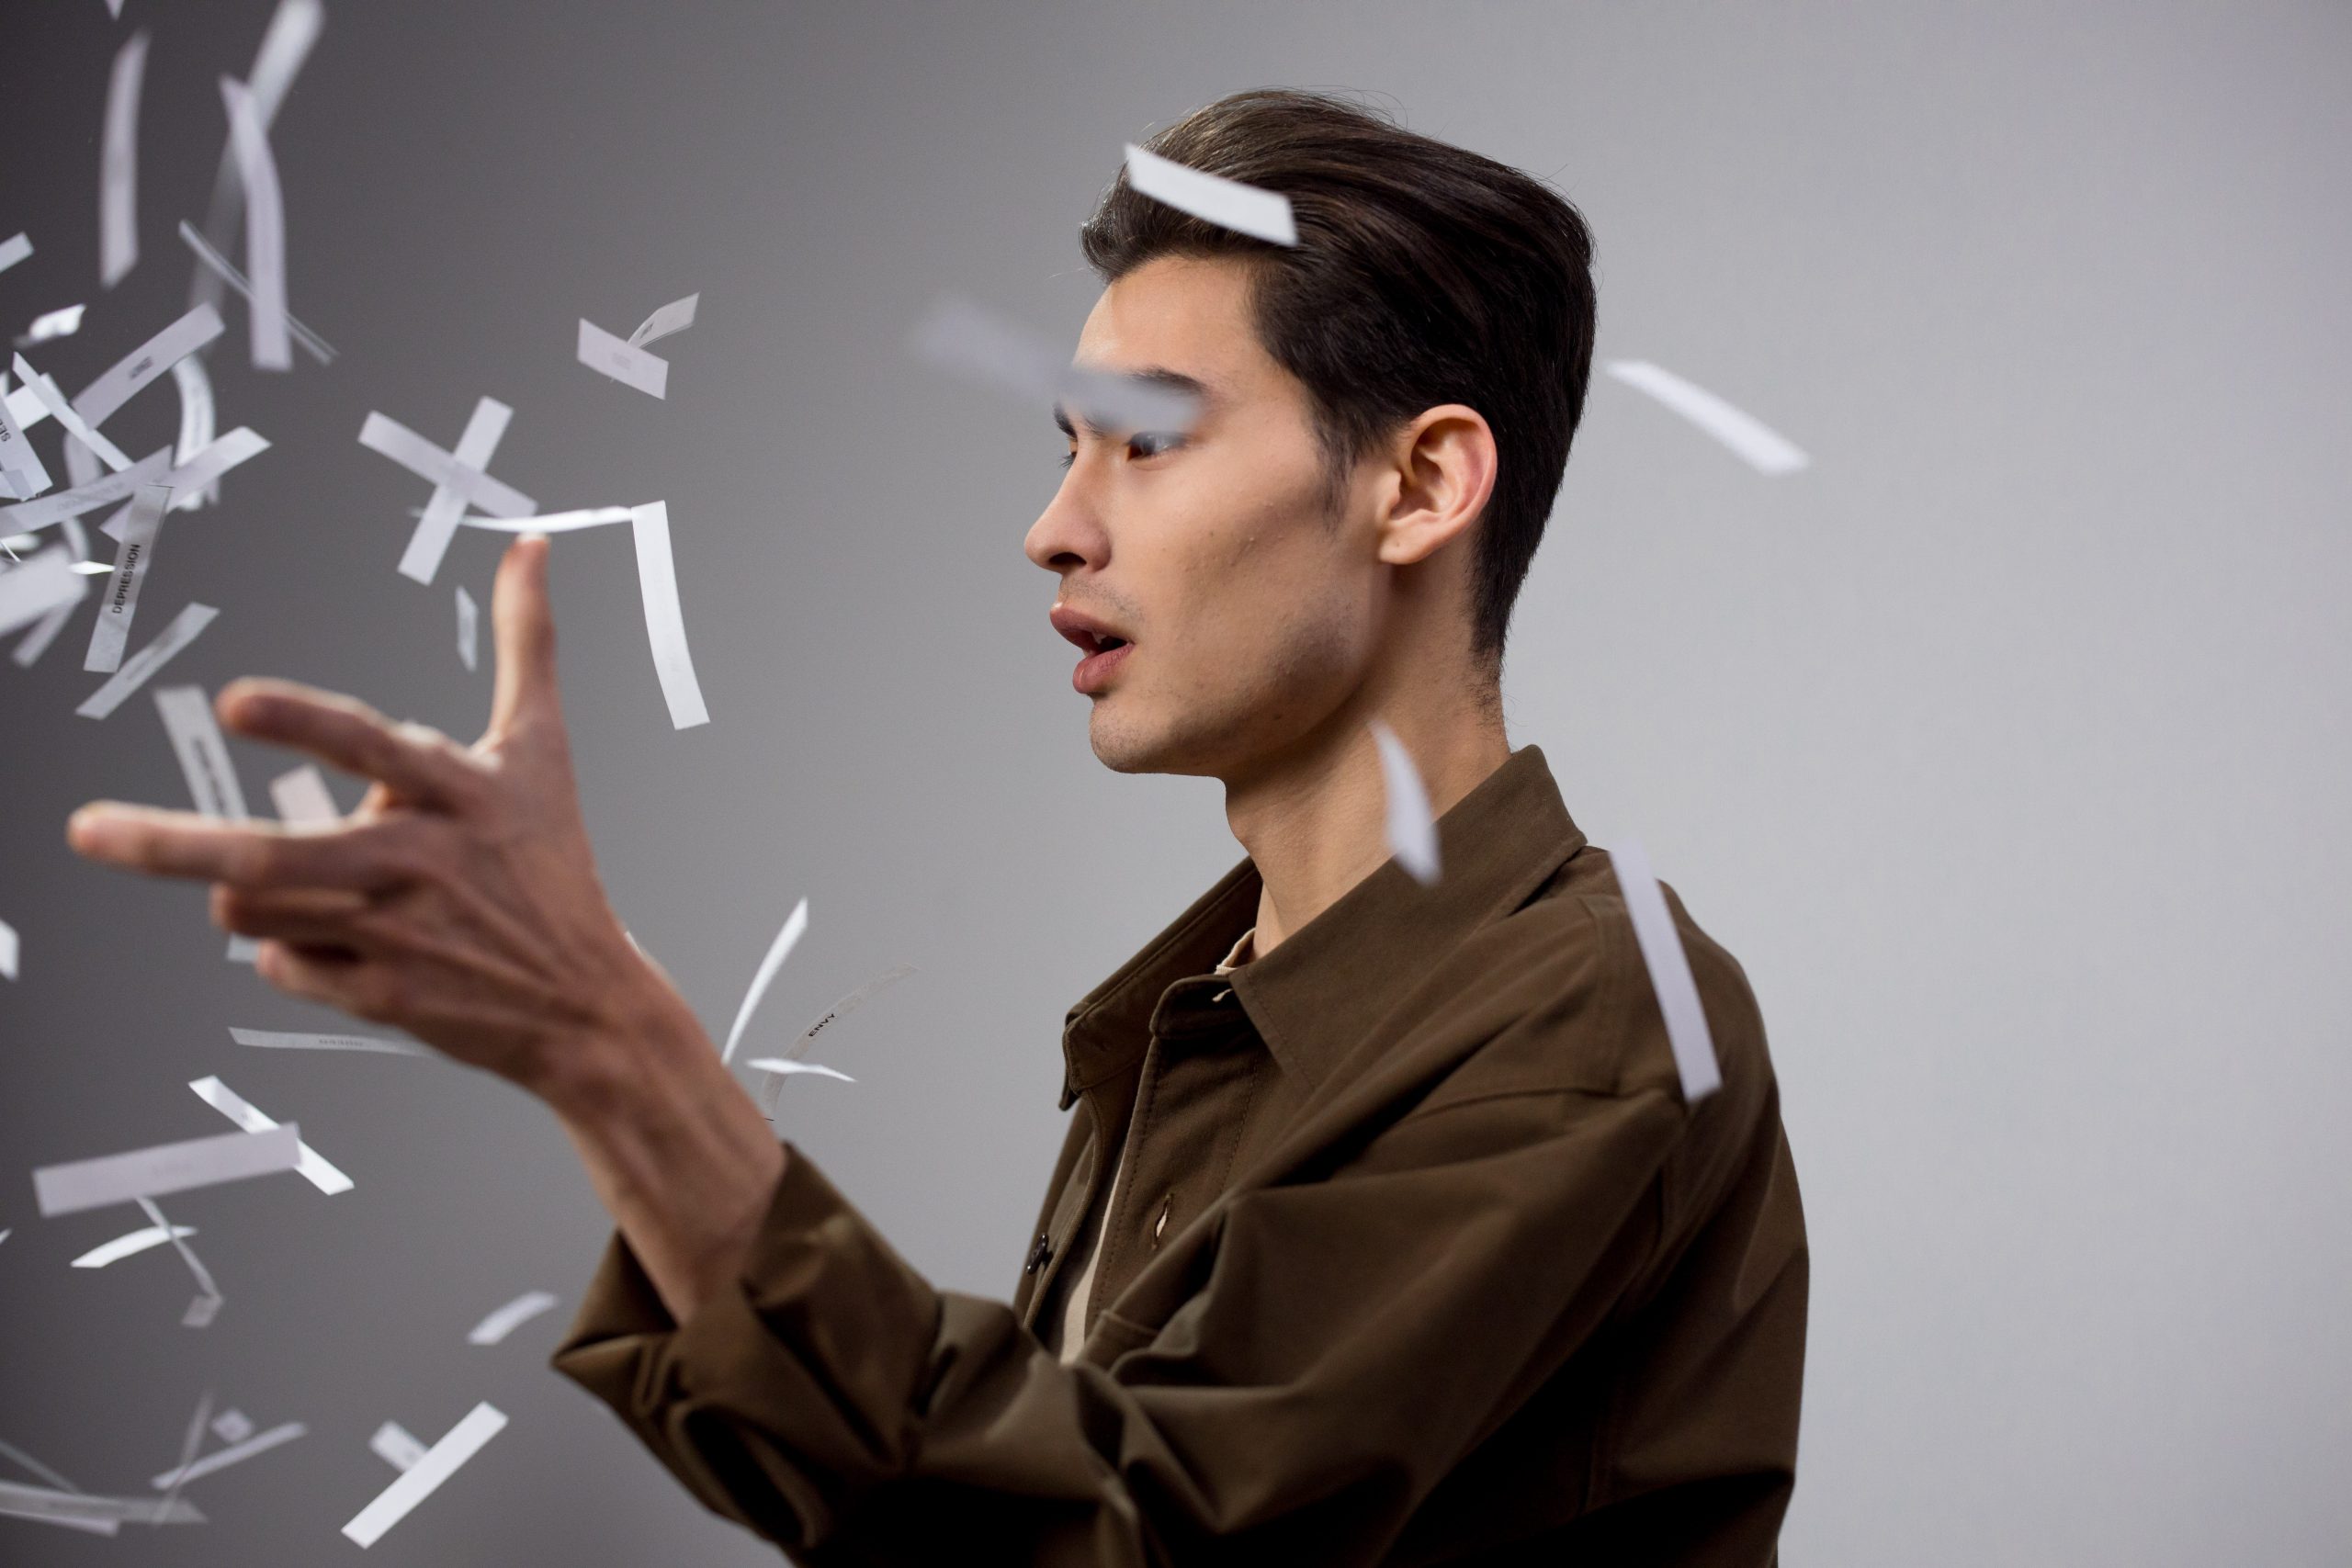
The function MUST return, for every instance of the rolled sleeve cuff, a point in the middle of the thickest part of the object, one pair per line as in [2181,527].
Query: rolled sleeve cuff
[788,1398]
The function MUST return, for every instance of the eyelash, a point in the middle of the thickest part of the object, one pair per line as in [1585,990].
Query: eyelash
[1174,441]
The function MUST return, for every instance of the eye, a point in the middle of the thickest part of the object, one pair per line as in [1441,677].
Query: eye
[1153,443]
[1068,458]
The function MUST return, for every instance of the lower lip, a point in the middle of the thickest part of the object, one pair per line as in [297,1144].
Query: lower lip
[1094,671]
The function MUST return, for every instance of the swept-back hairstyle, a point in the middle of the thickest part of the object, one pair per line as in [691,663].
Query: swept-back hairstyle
[1424,273]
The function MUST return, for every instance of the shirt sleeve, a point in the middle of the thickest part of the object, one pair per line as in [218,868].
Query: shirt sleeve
[1349,1340]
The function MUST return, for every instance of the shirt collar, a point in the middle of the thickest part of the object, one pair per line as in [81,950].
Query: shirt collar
[1319,993]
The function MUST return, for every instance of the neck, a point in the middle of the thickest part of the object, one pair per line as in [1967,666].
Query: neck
[1314,820]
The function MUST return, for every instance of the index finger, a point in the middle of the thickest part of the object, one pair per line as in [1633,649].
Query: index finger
[243,854]
[418,764]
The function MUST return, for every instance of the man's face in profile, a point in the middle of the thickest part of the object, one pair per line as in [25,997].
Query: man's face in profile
[1246,594]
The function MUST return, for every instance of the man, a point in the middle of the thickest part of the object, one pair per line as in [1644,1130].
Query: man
[1387,1235]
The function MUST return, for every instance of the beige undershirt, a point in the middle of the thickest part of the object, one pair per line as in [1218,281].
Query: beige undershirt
[1083,1292]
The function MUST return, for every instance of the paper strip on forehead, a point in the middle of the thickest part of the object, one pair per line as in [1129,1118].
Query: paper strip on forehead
[203,755]
[194,390]
[237,1108]
[626,363]
[302,797]
[282,1041]
[137,369]
[241,1449]
[502,1321]
[1412,834]
[118,163]
[54,400]
[22,1502]
[108,489]
[127,1245]
[669,319]
[164,1169]
[44,583]
[316,346]
[142,665]
[421,1480]
[787,939]
[142,523]
[13,249]
[469,628]
[1228,204]
[1670,969]
[665,624]
[64,321]
[273,349]
[1759,444]
[956,335]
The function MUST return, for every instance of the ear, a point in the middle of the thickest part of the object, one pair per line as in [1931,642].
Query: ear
[1445,473]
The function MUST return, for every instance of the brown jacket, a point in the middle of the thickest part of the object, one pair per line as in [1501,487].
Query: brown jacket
[1419,1257]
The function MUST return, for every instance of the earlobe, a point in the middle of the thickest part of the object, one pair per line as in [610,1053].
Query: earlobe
[1446,465]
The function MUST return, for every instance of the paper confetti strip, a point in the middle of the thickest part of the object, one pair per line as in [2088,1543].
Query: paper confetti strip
[1669,967]
[502,1322]
[1244,208]
[1412,835]
[1759,444]
[164,1169]
[421,1479]
[307,1162]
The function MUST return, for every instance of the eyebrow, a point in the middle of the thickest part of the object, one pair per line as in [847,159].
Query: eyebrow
[1158,376]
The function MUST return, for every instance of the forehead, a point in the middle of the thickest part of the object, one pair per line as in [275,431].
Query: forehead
[1188,314]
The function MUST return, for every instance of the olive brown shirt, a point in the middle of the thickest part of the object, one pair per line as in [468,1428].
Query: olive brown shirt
[1419,1256]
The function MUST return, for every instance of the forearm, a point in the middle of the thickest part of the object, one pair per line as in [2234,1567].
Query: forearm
[676,1149]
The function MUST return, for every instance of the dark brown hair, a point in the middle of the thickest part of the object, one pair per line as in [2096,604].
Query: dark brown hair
[1424,273]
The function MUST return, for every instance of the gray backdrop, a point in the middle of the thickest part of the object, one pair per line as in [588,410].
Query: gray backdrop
[2005,746]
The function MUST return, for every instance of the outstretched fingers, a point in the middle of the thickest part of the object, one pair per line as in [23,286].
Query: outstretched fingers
[362,859]
[415,763]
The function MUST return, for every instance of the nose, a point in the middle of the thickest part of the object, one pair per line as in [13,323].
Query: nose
[1070,535]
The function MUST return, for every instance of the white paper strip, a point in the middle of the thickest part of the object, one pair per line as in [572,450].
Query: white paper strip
[13,249]
[469,628]
[778,1065]
[196,422]
[278,1040]
[22,473]
[265,227]
[203,755]
[1412,834]
[1759,444]
[8,955]
[666,624]
[669,319]
[307,1162]
[130,1246]
[513,1315]
[457,479]
[164,1169]
[81,465]
[190,477]
[118,163]
[142,521]
[778,950]
[110,489]
[63,322]
[193,1441]
[396,1446]
[39,587]
[293,28]
[316,346]
[142,666]
[302,799]
[552,522]
[232,1426]
[956,335]
[207,1302]
[1228,204]
[630,366]
[54,399]
[239,1450]
[1669,967]
[36,641]
[135,371]
[21,1502]
[770,1093]
[425,1477]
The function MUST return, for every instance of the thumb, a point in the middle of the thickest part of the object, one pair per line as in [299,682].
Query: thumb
[522,623]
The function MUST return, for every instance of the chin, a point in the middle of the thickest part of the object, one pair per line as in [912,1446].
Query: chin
[1125,745]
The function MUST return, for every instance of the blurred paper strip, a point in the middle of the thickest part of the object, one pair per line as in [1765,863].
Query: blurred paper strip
[772,1090]
[7,961]
[778,1065]
[666,624]
[553,521]
[196,423]
[624,362]
[293,28]
[1669,967]
[142,666]
[502,1322]
[425,1477]
[164,1169]
[232,1426]
[316,346]
[238,1451]
[1228,204]
[1763,448]
[457,479]
[396,1446]
[265,227]
[1412,834]
[40,586]
[668,322]
[201,1311]
[188,481]
[118,163]
[18,1501]
[63,322]
[54,399]
[143,525]
[130,1246]
[36,641]
[110,489]
[469,628]
[956,335]
[13,249]
[302,797]
[137,369]
[22,473]
[278,1040]
[787,939]
[307,1161]
[203,755]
